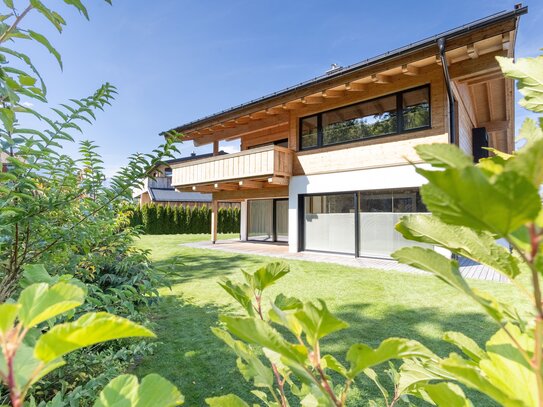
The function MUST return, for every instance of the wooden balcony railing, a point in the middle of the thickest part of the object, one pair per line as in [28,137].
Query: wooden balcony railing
[270,164]
[160,182]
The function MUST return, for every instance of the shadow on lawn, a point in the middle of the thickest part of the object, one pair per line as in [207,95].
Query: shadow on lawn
[203,264]
[202,366]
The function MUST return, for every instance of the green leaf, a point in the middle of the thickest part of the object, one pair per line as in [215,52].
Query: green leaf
[258,332]
[35,273]
[467,345]
[77,4]
[330,362]
[447,394]
[267,275]
[529,74]
[250,366]
[8,314]
[230,400]
[468,197]
[241,293]
[507,369]
[27,369]
[125,391]
[90,329]
[40,302]
[478,246]
[444,155]
[7,116]
[468,374]
[318,322]
[361,356]
[528,162]
[530,132]
[433,262]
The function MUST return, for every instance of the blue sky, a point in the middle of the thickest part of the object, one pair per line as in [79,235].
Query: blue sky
[174,61]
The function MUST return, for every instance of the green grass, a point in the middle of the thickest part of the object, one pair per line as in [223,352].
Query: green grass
[377,304]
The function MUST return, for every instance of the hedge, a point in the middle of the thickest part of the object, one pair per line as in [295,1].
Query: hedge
[167,220]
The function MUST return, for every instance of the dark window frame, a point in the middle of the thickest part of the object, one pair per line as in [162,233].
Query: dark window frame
[399,119]
[357,194]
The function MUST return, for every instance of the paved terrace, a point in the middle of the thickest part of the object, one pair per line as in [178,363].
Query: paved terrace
[468,268]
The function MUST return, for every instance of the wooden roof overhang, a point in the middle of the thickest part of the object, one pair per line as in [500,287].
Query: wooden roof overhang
[470,51]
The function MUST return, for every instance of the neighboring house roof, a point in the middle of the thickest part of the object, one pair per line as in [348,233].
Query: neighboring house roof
[171,195]
[339,74]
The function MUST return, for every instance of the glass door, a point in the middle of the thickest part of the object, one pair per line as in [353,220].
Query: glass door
[281,220]
[260,220]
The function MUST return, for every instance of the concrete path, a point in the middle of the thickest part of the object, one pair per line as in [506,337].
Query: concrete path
[468,268]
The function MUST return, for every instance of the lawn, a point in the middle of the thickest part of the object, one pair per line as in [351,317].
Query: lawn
[377,304]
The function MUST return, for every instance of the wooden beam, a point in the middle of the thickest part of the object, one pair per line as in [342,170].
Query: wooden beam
[312,100]
[272,192]
[472,51]
[496,125]
[225,187]
[410,70]
[202,188]
[215,148]
[214,219]
[278,181]
[242,120]
[293,105]
[330,93]
[258,115]
[251,184]
[272,111]
[380,78]
[356,87]
[438,59]
[506,41]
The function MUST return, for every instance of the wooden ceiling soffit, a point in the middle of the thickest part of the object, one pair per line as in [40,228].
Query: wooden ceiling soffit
[253,127]
[474,67]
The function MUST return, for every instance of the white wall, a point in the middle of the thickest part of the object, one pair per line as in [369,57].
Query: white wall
[402,176]
[243,221]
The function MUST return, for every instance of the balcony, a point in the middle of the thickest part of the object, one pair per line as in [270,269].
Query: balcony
[255,168]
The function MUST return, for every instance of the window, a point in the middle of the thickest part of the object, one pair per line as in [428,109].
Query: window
[329,223]
[379,212]
[372,118]
[416,109]
[309,132]
[167,172]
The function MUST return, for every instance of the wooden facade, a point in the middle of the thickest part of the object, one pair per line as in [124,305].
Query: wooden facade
[483,98]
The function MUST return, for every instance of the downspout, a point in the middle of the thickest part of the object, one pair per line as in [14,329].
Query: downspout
[452,129]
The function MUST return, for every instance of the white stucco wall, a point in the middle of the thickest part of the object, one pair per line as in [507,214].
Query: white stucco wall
[243,221]
[403,176]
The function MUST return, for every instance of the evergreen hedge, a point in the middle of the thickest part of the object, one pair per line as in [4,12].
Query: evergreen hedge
[168,220]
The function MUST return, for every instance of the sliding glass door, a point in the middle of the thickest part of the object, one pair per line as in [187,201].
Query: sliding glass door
[359,223]
[260,220]
[267,220]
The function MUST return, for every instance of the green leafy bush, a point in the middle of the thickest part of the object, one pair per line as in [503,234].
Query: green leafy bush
[33,346]
[159,220]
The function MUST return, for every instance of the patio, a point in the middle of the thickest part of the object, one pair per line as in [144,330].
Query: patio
[468,268]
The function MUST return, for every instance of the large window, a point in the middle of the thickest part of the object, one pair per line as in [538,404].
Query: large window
[379,212]
[404,111]
[329,223]
[336,223]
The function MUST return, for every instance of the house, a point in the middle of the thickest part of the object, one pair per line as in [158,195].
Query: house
[325,165]
[158,188]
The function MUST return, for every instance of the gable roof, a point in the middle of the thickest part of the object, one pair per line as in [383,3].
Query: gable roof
[334,77]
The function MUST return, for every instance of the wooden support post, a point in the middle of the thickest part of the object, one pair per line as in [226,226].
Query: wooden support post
[214,219]
[215,148]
